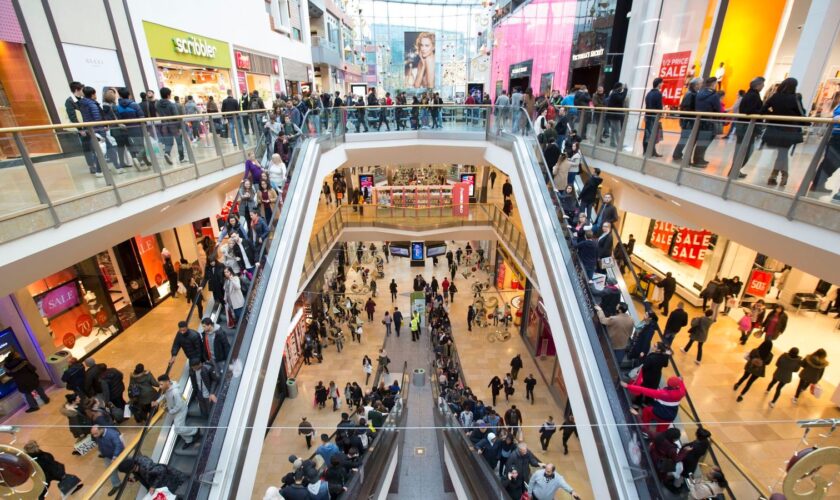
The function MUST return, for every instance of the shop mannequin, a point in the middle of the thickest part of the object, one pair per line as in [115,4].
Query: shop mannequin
[719,74]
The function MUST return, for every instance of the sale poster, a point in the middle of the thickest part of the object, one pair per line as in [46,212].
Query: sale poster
[460,199]
[663,233]
[682,244]
[673,71]
[759,283]
[152,261]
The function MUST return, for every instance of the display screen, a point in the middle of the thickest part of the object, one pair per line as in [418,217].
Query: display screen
[469,179]
[417,250]
[399,251]
[435,249]
[8,343]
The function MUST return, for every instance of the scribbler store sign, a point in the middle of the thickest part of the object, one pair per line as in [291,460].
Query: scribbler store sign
[673,71]
[167,44]
[682,244]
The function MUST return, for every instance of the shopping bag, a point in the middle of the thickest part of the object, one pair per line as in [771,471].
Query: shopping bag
[160,494]
[745,323]
[127,412]
[85,445]
[68,484]
[816,390]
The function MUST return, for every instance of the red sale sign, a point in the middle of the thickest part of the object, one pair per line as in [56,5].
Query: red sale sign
[691,246]
[663,233]
[759,283]
[461,199]
[673,71]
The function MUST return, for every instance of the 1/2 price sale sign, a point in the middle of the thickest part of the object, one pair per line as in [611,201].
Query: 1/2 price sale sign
[673,71]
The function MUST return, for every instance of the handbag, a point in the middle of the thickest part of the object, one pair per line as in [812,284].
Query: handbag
[161,494]
[745,323]
[68,484]
[816,390]
[85,445]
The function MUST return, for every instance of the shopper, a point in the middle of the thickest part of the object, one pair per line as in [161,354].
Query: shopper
[514,484]
[127,109]
[142,390]
[653,100]
[707,101]
[176,406]
[787,364]
[152,475]
[546,482]
[77,419]
[547,430]
[495,386]
[619,328]
[813,368]
[569,427]
[169,129]
[367,366]
[189,341]
[530,383]
[699,332]
[665,404]
[26,378]
[782,135]
[677,320]
[398,319]
[522,460]
[589,193]
[831,159]
[513,420]
[110,446]
[74,376]
[669,286]
[384,360]
[370,308]
[234,298]
[515,366]
[775,323]
[53,471]
[755,367]
[697,451]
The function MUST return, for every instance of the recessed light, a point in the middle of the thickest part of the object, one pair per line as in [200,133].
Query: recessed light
[164,209]
[675,203]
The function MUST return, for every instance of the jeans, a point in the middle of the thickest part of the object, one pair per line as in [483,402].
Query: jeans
[801,387]
[740,132]
[545,438]
[27,395]
[388,329]
[167,141]
[619,355]
[683,140]
[235,121]
[115,477]
[699,349]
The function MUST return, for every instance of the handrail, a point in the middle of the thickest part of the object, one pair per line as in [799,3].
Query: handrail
[702,114]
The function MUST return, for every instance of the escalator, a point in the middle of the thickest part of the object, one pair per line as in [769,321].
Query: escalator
[613,446]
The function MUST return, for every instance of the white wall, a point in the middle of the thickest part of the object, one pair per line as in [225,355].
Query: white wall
[244,23]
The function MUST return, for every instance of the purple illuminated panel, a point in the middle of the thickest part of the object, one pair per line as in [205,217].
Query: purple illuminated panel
[542,31]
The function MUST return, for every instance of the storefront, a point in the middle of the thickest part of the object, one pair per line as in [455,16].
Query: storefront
[506,274]
[189,64]
[599,39]
[21,102]
[257,72]
[519,76]
[536,332]
[296,73]
[541,32]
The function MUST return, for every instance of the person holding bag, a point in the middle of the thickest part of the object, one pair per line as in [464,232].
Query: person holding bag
[782,135]
[53,471]
[813,368]
[756,366]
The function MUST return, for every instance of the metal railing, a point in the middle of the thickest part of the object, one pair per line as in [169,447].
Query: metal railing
[734,156]
[53,174]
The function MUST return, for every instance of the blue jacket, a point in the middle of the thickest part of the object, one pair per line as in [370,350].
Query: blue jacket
[569,100]
[836,113]
[653,99]
[707,101]
[327,451]
[127,109]
[91,111]
[110,444]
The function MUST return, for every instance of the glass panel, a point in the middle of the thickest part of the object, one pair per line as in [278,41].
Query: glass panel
[18,193]
[776,164]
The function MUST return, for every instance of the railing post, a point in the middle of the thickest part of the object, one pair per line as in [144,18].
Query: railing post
[147,141]
[103,165]
[40,190]
[740,154]
[185,138]
[620,144]
[688,151]
[651,142]
[216,143]
[811,172]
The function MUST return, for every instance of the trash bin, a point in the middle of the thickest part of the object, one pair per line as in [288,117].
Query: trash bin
[419,377]
[291,388]
[57,363]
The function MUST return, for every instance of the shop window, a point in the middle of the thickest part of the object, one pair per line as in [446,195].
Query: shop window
[295,34]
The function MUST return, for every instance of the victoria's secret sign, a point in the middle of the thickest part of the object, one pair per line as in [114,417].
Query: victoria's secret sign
[682,244]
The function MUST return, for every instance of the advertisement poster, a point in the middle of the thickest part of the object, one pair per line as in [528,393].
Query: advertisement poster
[294,346]
[460,199]
[662,235]
[419,59]
[151,259]
[242,80]
[417,250]
[673,71]
[58,300]
[546,81]
[759,283]
[685,245]
[469,180]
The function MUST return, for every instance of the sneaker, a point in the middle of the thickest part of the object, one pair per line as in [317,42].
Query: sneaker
[697,362]
[735,387]
[113,491]
[772,404]
[794,400]
[167,158]
[772,182]
[98,174]
[136,163]
[684,351]
[740,398]
[742,176]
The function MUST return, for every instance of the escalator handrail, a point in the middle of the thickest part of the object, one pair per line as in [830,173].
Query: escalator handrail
[691,411]
[584,294]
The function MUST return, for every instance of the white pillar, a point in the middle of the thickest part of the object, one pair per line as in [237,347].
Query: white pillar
[638,51]
[818,35]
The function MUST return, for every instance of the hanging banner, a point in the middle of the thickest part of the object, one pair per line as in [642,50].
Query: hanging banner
[759,283]
[461,199]
[663,233]
[673,71]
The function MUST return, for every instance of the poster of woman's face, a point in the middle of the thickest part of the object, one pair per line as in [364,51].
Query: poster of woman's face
[419,59]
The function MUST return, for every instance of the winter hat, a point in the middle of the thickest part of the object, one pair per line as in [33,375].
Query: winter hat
[491,436]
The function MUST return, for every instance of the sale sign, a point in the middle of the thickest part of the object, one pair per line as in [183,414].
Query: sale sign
[691,246]
[663,234]
[58,300]
[673,71]
[759,283]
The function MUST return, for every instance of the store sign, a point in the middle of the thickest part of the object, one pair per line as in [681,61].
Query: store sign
[521,70]
[60,299]
[96,67]
[759,283]
[169,44]
[461,199]
[243,61]
[242,80]
[275,65]
[673,71]
[682,244]
[588,54]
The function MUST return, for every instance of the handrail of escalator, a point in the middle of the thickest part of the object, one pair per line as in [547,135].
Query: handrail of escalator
[156,416]
[517,119]
[691,410]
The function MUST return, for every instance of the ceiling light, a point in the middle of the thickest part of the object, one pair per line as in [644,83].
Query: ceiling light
[675,203]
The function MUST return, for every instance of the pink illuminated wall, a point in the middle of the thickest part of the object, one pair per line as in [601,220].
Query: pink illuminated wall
[542,31]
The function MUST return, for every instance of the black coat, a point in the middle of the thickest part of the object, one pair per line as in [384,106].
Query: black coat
[23,373]
[605,244]
[677,320]
[221,346]
[215,275]
[751,103]
[653,99]
[515,488]
[668,286]
[590,190]
[507,189]
[783,135]
[691,459]
[191,343]
[92,379]
[53,469]
[652,365]
[74,377]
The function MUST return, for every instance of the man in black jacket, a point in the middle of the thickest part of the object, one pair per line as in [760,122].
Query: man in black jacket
[92,374]
[669,286]
[653,100]
[148,104]
[507,189]
[707,101]
[214,273]
[232,104]
[589,192]
[170,129]
[677,320]
[215,344]
[582,99]
[615,119]
[687,104]
[750,105]
[190,341]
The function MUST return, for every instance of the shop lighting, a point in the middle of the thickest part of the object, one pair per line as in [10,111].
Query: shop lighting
[675,203]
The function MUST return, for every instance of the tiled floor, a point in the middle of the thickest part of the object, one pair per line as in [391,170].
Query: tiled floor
[148,341]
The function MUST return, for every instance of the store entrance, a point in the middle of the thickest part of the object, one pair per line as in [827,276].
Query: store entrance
[587,75]
[132,272]
[520,83]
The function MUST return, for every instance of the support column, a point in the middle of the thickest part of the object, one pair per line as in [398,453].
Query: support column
[818,35]
[636,68]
